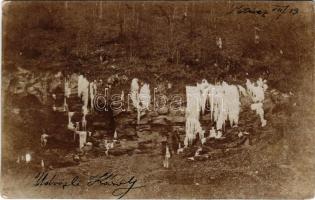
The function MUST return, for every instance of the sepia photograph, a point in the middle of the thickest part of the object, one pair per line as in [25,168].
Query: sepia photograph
[158,100]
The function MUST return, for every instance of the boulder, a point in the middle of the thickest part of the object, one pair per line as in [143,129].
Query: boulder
[145,127]
[126,119]
[149,144]
[149,136]
[126,132]
[176,119]
[163,111]
[144,121]
[153,114]
[180,129]
[125,144]
[159,121]
[179,112]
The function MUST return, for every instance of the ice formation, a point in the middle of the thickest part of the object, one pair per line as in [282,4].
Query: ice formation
[219,42]
[257,94]
[222,100]
[134,92]
[83,92]
[144,96]
[70,124]
[82,138]
[93,89]
[140,97]
[192,113]
[232,103]
[67,89]
[67,94]
[242,90]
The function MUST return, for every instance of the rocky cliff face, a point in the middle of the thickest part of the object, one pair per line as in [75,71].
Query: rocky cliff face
[28,111]
[24,83]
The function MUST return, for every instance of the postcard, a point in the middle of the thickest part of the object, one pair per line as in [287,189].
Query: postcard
[158,100]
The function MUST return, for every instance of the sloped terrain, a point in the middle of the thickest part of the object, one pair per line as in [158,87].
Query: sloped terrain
[160,44]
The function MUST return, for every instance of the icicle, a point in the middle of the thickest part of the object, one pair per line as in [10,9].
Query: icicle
[42,164]
[258,107]
[224,100]
[140,100]
[233,103]
[67,95]
[218,135]
[167,156]
[65,105]
[203,140]
[204,89]
[43,139]
[80,81]
[257,94]
[77,126]
[70,124]
[256,36]
[122,96]
[115,135]
[84,123]
[219,42]
[212,101]
[193,102]
[144,96]
[219,107]
[28,158]
[197,153]
[186,141]
[92,96]
[83,92]
[67,89]
[167,152]
[212,133]
[135,97]
[93,90]
[82,138]
[180,149]
[192,113]
[135,92]
[242,90]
